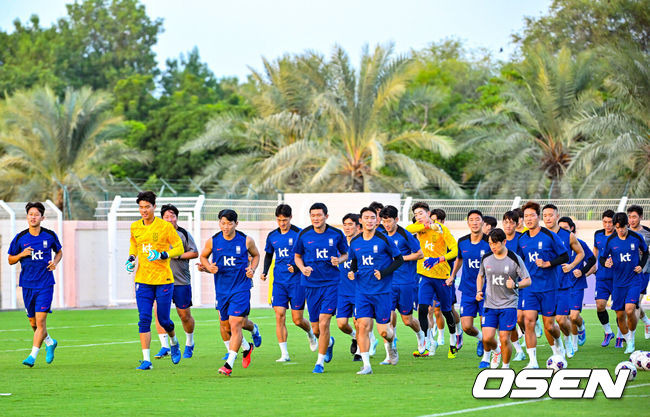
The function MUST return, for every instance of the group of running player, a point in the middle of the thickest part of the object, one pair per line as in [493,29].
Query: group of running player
[366,272]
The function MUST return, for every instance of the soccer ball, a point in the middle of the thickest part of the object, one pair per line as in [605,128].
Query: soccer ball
[556,363]
[627,365]
[636,355]
[642,361]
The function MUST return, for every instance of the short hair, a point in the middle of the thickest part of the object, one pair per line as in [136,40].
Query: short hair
[35,204]
[608,213]
[475,212]
[512,215]
[497,235]
[352,216]
[167,207]
[519,212]
[620,219]
[389,212]
[568,221]
[636,209]
[377,206]
[551,206]
[283,210]
[230,215]
[318,206]
[440,214]
[531,205]
[147,196]
[363,210]
[422,205]
[492,221]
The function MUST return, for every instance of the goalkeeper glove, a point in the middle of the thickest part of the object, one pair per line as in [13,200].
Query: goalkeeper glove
[431,262]
[154,255]
[130,264]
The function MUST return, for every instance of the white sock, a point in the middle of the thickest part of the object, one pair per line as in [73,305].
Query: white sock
[35,351]
[645,319]
[353,334]
[619,334]
[479,336]
[227,343]
[365,357]
[189,339]
[532,355]
[48,340]
[371,335]
[517,346]
[387,347]
[420,336]
[146,354]
[320,360]
[607,328]
[232,355]
[505,365]
[330,342]
[581,328]
[174,340]
[486,356]
[565,339]
[164,340]
[283,349]
[626,336]
[556,346]
[574,340]
[311,334]
[452,339]
[244,343]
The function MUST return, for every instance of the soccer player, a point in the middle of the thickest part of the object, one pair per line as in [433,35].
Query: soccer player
[471,249]
[319,250]
[287,291]
[153,242]
[565,276]
[233,276]
[435,240]
[629,254]
[521,227]
[347,288]
[404,286]
[33,248]
[378,207]
[635,216]
[374,260]
[579,283]
[510,222]
[542,251]
[489,223]
[604,283]
[504,272]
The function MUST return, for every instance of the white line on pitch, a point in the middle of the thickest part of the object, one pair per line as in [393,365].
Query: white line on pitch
[77,346]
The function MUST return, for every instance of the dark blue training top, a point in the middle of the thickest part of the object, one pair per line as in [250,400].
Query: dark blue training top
[600,240]
[545,245]
[406,244]
[317,250]
[231,256]
[511,245]
[565,280]
[376,253]
[33,269]
[580,283]
[281,245]
[471,255]
[625,255]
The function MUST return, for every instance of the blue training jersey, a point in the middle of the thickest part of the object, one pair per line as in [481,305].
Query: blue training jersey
[33,269]
[545,245]
[600,240]
[281,245]
[347,287]
[231,256]
[376,253]
[407,244]
[511,244]
[625,255]
[317,250]
[565,280]
[471,255]
[580,283]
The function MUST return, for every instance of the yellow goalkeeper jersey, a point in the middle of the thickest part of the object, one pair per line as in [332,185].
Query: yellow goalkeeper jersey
[435,240]
[161,236]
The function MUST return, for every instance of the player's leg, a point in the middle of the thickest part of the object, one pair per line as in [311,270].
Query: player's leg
[603,317]
[345,310]
[281,331]
[578,330]
[382,304]
[489,343]
[519,331]
[631,301]
[425,302]
[162,335]
[145,295]
[247,323]
[163,294]
[327,298]
[364,327]
[444,296]
[506,348]
[531,305]
[187,320]
[297,305]
[439,323]
[507,325]
[469,309]
[236,338]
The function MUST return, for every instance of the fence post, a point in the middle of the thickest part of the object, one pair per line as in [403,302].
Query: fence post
[12,268]
[197,289]
[516,203]
[112,250]
[622,204]
[59,269]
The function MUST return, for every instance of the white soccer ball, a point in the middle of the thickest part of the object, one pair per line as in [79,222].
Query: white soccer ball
[627,365]
[643,362]
[636,355]
[556,363]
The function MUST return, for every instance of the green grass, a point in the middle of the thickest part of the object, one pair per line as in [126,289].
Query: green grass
[101,379]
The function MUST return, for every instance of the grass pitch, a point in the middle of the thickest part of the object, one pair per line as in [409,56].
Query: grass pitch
[94,374]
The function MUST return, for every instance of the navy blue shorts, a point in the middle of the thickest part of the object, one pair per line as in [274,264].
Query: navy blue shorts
[431,288]
[469,307]
[644,283]
[182,297]
[402,299]
[345,306]
[563,302]
[542,302]
[503,319]
[625,295]
[375,306]
[38,300]
[288,296]
[520,301]
[145,295]
[577,297]
[603,289]
[321,300]
[236,305]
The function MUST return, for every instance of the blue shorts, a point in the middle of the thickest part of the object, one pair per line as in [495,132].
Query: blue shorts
[345,306]
[288,295]
[402,299]
[374,306]
[469,307]
[321,300]
[145,295]
[577,297]
[542,302]
[644,283]
[603,289]
[563,302]
[503,319]
[431,288]
[38,300]
[236,305]
[625,295]
[520,301]
[182,297]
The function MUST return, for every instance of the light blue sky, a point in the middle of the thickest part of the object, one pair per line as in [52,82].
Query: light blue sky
[232,35]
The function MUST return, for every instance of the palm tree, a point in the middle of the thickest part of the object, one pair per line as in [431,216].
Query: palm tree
[53,146]
[526,144]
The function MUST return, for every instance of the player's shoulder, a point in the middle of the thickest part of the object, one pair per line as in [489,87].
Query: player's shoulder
[21,234]
[273,232]
[611,237]
[548,233]
[646,228]
[403,232]
[635,235]
[294,229]
[334,230]
[464,239]
[381,236]
[515,258]
[49,232]
[355,239]
[486,255]
[182,232]
[599,232]
[218,234]
[240,234]
[306,230]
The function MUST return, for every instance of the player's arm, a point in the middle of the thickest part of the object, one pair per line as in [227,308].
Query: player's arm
[16,258]
[580,253]
[414,256]
[479,285]
[191,252]
[524,275]
[604,260]
[51,266]
[457,264]
[397,262]
[210,267]
[416,227]
[452,245]
[255,257]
